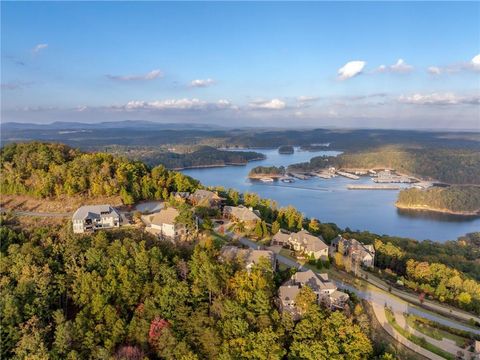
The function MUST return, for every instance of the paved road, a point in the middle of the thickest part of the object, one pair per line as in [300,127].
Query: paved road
[382,319]
[435,306]
[377,296]
[446,344]
[39,214]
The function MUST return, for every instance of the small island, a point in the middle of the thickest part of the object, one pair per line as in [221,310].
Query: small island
[286,149]
[267,172]
[455,200]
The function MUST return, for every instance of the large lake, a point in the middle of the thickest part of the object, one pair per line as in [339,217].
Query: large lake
[329,200]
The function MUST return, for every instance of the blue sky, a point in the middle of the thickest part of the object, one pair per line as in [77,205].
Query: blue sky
[357,64]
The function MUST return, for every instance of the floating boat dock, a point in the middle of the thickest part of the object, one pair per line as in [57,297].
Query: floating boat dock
[348,175]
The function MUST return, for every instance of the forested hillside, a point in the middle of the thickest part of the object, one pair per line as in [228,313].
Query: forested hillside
[456,199]
[454,166]
[202,156]
[52,170]
[124,295]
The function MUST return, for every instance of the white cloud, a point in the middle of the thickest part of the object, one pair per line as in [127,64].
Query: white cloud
[472,65]
[351,69]
[399,67]
[202,82]
[434,70]
[476,62]
[274,104]
[39,47]
[154,74]
[178,104]
[439,99]
[304,99]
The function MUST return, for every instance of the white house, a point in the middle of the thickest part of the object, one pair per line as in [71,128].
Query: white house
[163,224]
[94,217]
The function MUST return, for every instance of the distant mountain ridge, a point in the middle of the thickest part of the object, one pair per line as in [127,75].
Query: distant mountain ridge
[66,125]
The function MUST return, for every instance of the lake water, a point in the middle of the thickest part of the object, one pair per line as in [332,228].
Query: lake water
[329,200]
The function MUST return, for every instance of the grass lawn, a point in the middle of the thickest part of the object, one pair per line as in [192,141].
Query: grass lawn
[433,332]
[420,341]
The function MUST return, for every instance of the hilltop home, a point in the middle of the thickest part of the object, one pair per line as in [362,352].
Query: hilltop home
[206,198]
[248,216]
[164,225]
[94,217]
[327,293]
[249,257]
[303,242]
[287,295]
[357,252]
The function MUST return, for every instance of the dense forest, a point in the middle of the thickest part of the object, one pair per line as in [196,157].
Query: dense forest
[201,156]
[125,295]
[267,171]
[52,170]
[453,166]
[457,199]
[286,149]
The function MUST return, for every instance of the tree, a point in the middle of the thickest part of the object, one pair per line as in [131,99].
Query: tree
[258,230]
[314,226]
[275,227]
[305,299]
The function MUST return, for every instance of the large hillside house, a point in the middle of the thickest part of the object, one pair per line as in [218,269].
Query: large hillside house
[358,253]
[303,242]
[95,217]
[248,257]
[243,214]
[326,291]
[164,224]
[206,198]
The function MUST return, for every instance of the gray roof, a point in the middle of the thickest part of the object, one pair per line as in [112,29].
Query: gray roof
[165,216]
[353,246]
[314,281]
[309,241]
[281,237]
[94,212]
[242,213]
[288,292]
[205,195]
[249,256]
[339,295]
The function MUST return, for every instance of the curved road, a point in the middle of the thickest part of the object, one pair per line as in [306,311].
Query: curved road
[378,296]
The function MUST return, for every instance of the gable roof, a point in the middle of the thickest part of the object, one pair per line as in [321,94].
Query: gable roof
[280,236]
[94,212]
[310,242]
[242,213]
[250,256]
[205,195]
[314,281]
[288,292]
[165,216]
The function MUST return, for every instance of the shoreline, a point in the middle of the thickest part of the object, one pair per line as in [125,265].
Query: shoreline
[262,176]
[214,165]
[424,208]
